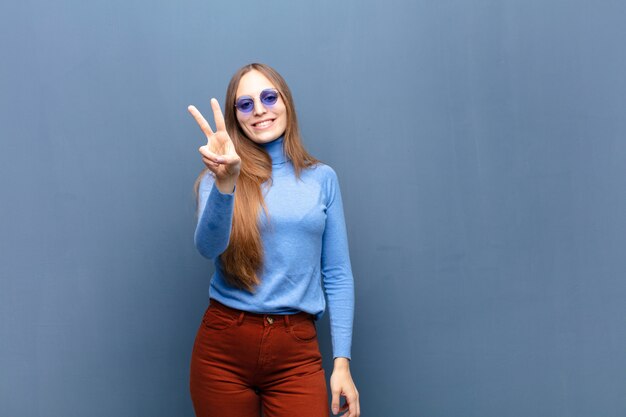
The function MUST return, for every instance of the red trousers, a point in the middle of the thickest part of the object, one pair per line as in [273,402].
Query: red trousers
[243,363]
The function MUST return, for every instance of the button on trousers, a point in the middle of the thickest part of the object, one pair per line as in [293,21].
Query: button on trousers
[244,363]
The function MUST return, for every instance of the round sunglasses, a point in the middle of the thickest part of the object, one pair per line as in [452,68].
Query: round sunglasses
[268,97]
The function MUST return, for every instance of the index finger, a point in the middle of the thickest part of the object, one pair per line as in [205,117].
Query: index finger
[217,115]
[204,125]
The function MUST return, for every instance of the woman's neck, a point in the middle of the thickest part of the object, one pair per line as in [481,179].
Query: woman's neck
[276,150]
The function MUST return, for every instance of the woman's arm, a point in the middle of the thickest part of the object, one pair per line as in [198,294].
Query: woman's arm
[339,287]
[215,218]
[337,271]
[217,186]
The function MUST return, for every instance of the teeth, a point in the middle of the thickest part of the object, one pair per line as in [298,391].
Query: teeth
[264,123]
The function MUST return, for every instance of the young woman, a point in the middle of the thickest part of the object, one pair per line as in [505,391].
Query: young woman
[271,219]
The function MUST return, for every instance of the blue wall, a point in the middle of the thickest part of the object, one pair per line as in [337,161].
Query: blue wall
[482,156]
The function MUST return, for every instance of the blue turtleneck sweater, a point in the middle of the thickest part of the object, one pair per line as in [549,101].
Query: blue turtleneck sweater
[303,240]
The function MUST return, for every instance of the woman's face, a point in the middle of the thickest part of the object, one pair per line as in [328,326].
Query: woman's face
[264,123]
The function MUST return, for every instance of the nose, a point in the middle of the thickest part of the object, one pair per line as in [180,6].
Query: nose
[259,108]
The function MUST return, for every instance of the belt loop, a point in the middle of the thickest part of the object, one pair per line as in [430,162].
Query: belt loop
[240,319]
[287,320]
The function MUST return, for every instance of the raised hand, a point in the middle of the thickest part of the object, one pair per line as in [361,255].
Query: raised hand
[219,153]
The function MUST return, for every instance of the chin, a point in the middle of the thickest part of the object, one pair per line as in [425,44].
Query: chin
[265,137]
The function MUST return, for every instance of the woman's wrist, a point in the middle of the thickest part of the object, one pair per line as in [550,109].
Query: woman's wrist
[226,186]
[341,363]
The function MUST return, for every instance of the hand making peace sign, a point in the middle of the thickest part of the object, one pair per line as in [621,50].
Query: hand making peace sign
[219,153]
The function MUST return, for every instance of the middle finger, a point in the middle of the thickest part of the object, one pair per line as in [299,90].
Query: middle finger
[217,115]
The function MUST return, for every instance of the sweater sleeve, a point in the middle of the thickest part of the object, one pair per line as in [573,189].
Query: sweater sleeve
[215,218]
[337,272]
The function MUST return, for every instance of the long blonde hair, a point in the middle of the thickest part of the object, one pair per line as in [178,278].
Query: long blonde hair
[243,258]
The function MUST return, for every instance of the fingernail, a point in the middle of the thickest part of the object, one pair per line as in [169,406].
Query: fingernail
[335,410]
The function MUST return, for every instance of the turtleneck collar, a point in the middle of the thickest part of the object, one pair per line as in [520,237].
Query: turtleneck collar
[276,150]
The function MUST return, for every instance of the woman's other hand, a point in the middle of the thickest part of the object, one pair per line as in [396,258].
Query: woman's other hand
[219,153]
[341,385]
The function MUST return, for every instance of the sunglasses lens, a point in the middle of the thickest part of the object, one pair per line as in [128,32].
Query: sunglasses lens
[269,97]
[245,105]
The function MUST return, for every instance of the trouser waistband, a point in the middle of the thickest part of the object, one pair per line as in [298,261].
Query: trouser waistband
[261,318]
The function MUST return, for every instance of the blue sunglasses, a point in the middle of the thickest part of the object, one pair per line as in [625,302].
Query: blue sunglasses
[268,97]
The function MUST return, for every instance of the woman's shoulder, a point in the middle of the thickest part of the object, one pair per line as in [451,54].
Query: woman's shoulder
[323,171]
[324,176]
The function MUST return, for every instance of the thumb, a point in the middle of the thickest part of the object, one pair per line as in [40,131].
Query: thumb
[335,401]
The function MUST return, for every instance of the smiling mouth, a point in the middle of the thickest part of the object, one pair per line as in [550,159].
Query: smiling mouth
[263,123]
